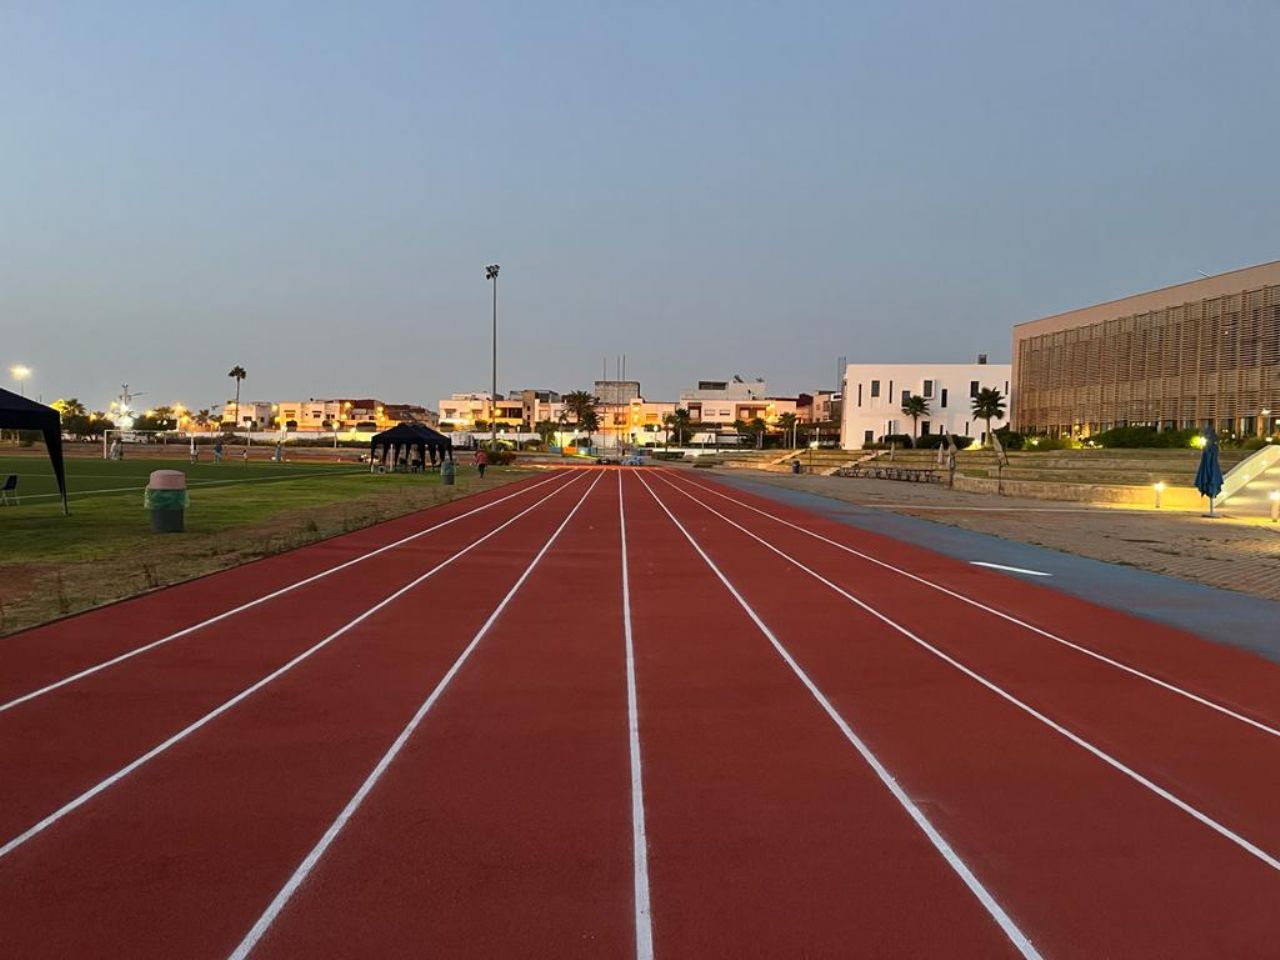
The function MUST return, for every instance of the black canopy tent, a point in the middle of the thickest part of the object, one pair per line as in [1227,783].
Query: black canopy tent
[19,413]
[432,446]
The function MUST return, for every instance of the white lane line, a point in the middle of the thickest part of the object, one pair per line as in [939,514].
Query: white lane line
[72,494]
[191,728]
[1102,658]
[308,864]
[1001,566]
[1020,940]
[995,688]
[136,651]
[639,841]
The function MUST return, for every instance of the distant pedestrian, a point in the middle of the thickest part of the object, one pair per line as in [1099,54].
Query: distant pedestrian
[195,452]
[217,450]
[482,461]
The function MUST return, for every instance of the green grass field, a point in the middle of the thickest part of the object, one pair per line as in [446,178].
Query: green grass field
[51,565]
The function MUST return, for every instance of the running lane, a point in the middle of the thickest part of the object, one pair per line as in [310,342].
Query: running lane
[1088,861]
[1234,678]
[46,654]
[1224,767]
[70,738]
[178,858]
[503,828]
[769,835]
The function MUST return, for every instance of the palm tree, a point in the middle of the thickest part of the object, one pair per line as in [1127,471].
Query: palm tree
[69,408]
[758,429]
[915,407]
[237,372]
[202,417]
[546,430]
[681,422]
[988,405]
[787,423]
[578,403]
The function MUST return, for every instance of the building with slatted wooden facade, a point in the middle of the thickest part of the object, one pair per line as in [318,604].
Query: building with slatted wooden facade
[1204,353]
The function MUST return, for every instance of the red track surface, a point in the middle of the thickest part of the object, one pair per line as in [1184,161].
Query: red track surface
[451,773]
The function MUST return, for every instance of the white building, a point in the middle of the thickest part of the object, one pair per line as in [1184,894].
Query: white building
[874,394]
[724,401]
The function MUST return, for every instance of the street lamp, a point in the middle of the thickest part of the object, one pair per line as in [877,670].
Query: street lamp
[491,273]
[20,372]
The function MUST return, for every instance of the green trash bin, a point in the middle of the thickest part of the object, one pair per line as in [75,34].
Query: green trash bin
[166,499]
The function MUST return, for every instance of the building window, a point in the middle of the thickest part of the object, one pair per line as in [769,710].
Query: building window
[924,428]
[973,388]
[906,395]
[928,389]
[944,398]
[875,388]
[868,436]
[859,394]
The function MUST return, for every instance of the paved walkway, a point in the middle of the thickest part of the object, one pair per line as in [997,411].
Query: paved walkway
[1240,554]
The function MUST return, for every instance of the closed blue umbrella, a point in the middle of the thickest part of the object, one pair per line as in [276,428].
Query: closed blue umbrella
[1209,474]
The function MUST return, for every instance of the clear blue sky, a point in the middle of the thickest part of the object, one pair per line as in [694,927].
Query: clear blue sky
[312,190]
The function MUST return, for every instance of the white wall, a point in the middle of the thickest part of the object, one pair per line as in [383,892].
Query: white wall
[883,414]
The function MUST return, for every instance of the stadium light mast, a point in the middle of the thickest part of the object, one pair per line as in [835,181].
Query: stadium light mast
[491,273]
[20,372]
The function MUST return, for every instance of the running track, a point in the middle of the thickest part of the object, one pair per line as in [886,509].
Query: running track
[612,713]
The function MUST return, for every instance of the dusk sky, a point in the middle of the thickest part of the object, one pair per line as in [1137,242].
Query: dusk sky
[313,190]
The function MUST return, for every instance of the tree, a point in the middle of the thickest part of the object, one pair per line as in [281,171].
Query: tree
[988,405]
[238,374]
[681,422]
[546,430]
[758,428]
[915,407]
[579,403]
[202,417]
[787,423]
[69,408]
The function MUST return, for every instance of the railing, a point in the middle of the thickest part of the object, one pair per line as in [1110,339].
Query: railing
[1248,469]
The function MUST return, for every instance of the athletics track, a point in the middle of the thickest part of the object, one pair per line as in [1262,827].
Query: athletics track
[631,713]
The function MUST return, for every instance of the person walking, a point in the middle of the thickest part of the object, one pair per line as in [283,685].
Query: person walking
[482,461]
[217,450]
[195,453]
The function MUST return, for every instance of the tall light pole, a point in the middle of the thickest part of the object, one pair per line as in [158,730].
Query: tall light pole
[20,372]
[491,273]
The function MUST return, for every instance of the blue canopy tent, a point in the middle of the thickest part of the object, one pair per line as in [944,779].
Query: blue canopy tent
[1209,473]
[19,413]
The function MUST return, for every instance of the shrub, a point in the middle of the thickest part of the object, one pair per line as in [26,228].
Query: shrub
[1048,443]
[1010,439]
[501,457]
[933,441]
[1256,443]
[901,439]
[1139,437]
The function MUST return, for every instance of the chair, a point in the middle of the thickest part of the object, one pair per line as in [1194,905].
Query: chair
[9,489]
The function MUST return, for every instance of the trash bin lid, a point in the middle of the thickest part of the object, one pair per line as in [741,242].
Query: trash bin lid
[167,480]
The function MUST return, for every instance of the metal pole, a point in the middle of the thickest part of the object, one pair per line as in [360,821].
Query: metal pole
[493,402]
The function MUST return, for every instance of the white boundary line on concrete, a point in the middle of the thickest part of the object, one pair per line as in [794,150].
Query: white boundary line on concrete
[130,654]
[1119,665]
[248,691]
[1194,812]
[639,841]
[1019,940]
[304,869]
[1001,566]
